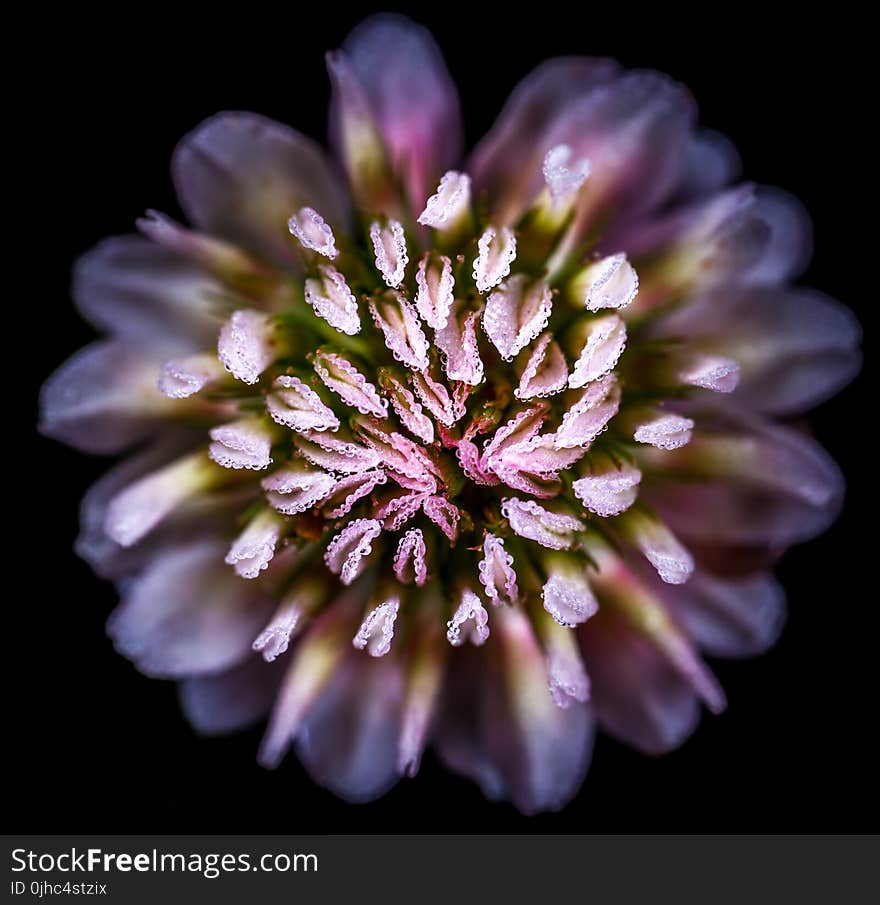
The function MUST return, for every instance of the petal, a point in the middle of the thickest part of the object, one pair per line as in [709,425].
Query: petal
[497,575]
[253,550]
[458,343]
[546,527]
[349,384]
[332,300]
[230,701]
[794,347]
[610,282]
[739,617]
[444,515]
[506,165]
[502,728]
[104,398]
[496,252]
[399,323]
[436,287]
[249,342]
[313,232]
[589,415]
[469,622]
[409,559]
[296,405]
[138,290]
[389,246]
[242,176]
[566,594]
[348,490]
[516,312]
[411,96]
[598,343]
[181,378]
[242,444]
[348,740]
[296,487]
[330,452]
[187,615]
[449,203]
[408,410]
[664,431]
[638,697]
[377,630]
[610,490]
[546,371]
[346,554]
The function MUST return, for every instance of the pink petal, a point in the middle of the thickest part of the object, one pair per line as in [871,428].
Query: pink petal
[408,410]
[562,175]
[296,487]
[589,416]
[443,514]
[411,96]
[638,695]
[566,677]
[185,615]
[399,323]
[397,510]
[435,397]
[546,371]
[674,564]
[241,176]
[497,575]
[739,617]
[296,405]
[409,559]
[604,340]
[567,595]
[458,343]
[516,312]
[377,630]
[436,286]
[332,300]
[470,621]
[348,740]
[242,444]
[139,507]
[550,529]
[508,733]
[794,347]
[506,165]
[330,452]
[348,490]
[349,384]
[346,554]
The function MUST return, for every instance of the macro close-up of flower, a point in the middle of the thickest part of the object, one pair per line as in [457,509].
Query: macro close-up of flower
[481,451]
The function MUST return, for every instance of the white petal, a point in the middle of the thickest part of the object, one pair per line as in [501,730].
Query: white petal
[389,245]
[496,252]
[313,233]
[516,312]
[450,201]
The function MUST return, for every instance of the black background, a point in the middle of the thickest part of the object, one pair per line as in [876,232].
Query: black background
[94,745]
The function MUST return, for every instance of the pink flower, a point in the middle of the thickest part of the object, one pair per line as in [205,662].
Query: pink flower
[478,453]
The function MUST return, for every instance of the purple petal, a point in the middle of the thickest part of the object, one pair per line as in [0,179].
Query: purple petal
[242,176]
[230,701]
[411,96]
[516,312]
[349,384]
[186,615]
[348,740]
[104,398]
[138,290]
[346,554]
[638,696]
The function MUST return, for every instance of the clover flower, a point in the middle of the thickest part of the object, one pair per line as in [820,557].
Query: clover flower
[473,454]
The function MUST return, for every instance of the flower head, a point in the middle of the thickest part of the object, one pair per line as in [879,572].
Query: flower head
[472,453]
